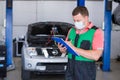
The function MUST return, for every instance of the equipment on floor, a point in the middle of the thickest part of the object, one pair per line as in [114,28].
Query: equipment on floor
[2,60]
[17,46]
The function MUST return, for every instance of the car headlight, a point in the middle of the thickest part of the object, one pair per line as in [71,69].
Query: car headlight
[32,51]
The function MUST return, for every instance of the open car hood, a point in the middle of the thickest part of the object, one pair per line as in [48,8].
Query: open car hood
[40,33]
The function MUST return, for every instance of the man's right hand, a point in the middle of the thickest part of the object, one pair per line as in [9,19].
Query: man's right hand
[62,48]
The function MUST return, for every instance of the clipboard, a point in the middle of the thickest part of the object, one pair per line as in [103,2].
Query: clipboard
[61,41]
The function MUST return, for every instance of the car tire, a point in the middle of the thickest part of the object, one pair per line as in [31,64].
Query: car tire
[25,75]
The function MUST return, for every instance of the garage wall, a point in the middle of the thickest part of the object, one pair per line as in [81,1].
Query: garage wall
[2,12]
[36,11]
[2,17]
[26,12]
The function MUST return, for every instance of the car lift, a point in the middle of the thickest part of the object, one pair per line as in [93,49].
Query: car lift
[9,27]
[107,32]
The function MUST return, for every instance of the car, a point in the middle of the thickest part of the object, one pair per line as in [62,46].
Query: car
[40,54]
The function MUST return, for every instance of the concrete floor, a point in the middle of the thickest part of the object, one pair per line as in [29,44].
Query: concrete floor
[114,74]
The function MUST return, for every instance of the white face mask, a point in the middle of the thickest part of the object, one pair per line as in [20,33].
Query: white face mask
[79,25]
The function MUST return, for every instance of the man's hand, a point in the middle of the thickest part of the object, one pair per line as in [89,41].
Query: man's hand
[70,44]
[62,48]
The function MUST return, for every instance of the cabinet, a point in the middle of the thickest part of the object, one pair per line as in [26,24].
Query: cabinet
[3,61]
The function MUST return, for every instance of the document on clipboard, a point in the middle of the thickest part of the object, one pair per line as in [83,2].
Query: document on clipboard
[61,41]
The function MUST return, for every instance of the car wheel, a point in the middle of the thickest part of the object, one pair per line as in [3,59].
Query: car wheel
[25,74]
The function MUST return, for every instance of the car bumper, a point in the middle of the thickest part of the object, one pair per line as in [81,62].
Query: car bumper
[42,64]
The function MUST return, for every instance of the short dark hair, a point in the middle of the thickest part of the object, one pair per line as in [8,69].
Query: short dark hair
[80,9]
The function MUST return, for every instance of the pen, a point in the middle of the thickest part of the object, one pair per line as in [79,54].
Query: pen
[69,39]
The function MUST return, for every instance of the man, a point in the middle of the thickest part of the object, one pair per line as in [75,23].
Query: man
[87,41]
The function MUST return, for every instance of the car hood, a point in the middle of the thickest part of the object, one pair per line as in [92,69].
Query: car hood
[40,33]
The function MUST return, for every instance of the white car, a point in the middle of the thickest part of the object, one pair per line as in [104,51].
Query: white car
[40,54]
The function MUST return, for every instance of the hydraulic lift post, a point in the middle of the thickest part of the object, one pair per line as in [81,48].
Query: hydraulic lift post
[9,27]
[80,2]
[107,34]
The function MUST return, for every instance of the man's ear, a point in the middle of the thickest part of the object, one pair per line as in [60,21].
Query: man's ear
[86,17]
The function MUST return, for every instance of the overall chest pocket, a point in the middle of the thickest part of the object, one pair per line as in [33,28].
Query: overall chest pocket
[85,44]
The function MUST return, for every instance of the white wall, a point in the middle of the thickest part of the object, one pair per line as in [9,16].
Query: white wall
[26,12]
[2,11]
[2,17]
[35,11]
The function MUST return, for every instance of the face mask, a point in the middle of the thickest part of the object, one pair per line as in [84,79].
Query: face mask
[79,25]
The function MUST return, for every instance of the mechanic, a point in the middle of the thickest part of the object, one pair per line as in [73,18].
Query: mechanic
[87,41]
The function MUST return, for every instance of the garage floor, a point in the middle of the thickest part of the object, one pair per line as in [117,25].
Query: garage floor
[113,75]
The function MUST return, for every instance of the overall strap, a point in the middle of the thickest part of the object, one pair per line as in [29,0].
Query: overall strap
[73,56]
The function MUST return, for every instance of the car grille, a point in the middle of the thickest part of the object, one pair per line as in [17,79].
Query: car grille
[39,51]
[54,52]
[51,52]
